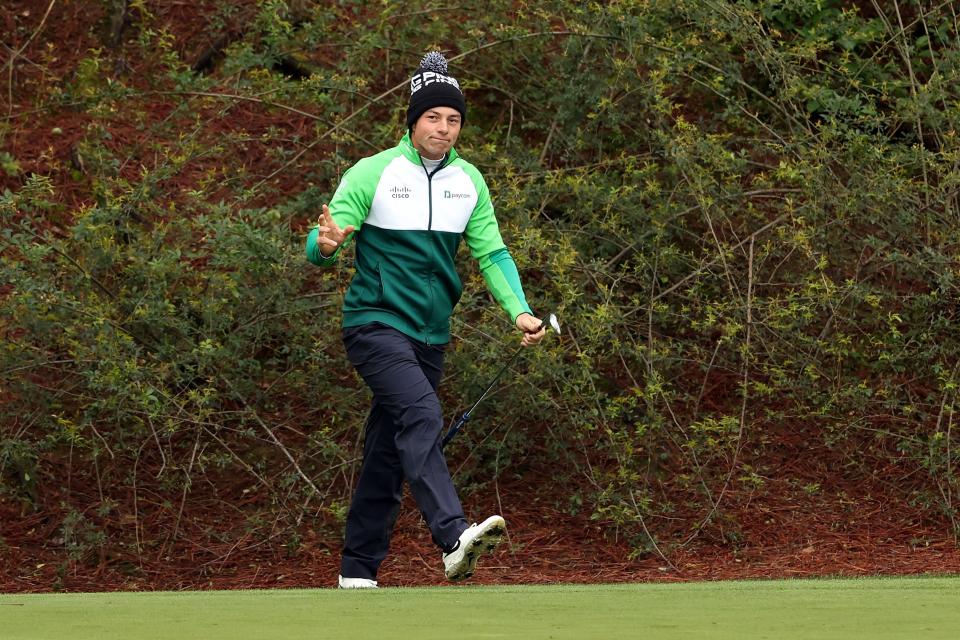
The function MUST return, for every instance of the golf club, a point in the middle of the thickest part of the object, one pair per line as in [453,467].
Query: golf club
[552,324]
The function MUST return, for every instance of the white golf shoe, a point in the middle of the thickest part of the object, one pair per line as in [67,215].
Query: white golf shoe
[481,538]
[356,583]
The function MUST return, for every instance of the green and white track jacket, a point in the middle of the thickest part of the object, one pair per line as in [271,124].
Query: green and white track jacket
[409,226]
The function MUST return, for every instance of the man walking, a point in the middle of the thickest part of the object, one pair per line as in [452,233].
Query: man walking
[408,209]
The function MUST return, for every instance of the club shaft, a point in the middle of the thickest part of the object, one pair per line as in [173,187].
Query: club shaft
[466,416]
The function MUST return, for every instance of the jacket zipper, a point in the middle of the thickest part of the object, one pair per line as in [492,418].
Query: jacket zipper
[426,340]
[430,189]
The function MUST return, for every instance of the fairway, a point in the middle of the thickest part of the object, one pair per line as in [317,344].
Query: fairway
[842,609]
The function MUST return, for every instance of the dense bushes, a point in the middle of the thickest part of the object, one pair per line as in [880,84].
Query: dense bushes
[745,215]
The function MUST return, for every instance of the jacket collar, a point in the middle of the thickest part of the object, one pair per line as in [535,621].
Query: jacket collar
[411,153]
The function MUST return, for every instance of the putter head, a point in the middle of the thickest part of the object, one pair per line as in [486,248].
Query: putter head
[554,324]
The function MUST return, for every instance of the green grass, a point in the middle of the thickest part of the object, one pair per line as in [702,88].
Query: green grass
[782,610]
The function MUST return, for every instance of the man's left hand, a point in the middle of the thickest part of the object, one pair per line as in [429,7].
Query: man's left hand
[533,329]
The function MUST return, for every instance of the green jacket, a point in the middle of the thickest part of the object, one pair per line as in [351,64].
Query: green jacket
[409,226]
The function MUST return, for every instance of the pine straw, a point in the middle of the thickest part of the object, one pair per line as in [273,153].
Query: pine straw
[779,538]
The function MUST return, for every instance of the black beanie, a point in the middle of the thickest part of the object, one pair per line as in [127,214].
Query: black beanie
[431,87]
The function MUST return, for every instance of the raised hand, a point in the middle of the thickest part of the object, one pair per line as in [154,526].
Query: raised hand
[331,235]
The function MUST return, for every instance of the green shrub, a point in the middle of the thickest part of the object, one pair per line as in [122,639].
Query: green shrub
[743,213]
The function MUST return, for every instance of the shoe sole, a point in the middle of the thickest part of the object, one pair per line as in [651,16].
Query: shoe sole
[485,542]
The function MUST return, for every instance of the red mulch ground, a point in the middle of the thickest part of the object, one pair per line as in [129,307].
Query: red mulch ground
[779,535]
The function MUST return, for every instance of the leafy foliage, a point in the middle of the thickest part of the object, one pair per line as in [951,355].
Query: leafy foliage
[744,213]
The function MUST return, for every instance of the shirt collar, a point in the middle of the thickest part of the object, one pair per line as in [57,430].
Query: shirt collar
[411,153]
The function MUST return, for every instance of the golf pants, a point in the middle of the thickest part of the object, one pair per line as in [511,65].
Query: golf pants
[402,443]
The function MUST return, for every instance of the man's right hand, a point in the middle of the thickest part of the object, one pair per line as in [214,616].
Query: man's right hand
[331,235]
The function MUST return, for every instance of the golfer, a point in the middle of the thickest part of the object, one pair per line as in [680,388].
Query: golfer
[408,209]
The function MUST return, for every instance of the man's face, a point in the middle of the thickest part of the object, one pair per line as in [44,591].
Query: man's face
[436,131]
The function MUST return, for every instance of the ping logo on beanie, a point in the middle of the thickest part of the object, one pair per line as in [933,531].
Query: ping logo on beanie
[432,86]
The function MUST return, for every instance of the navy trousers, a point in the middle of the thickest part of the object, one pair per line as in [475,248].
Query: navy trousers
[402,442]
